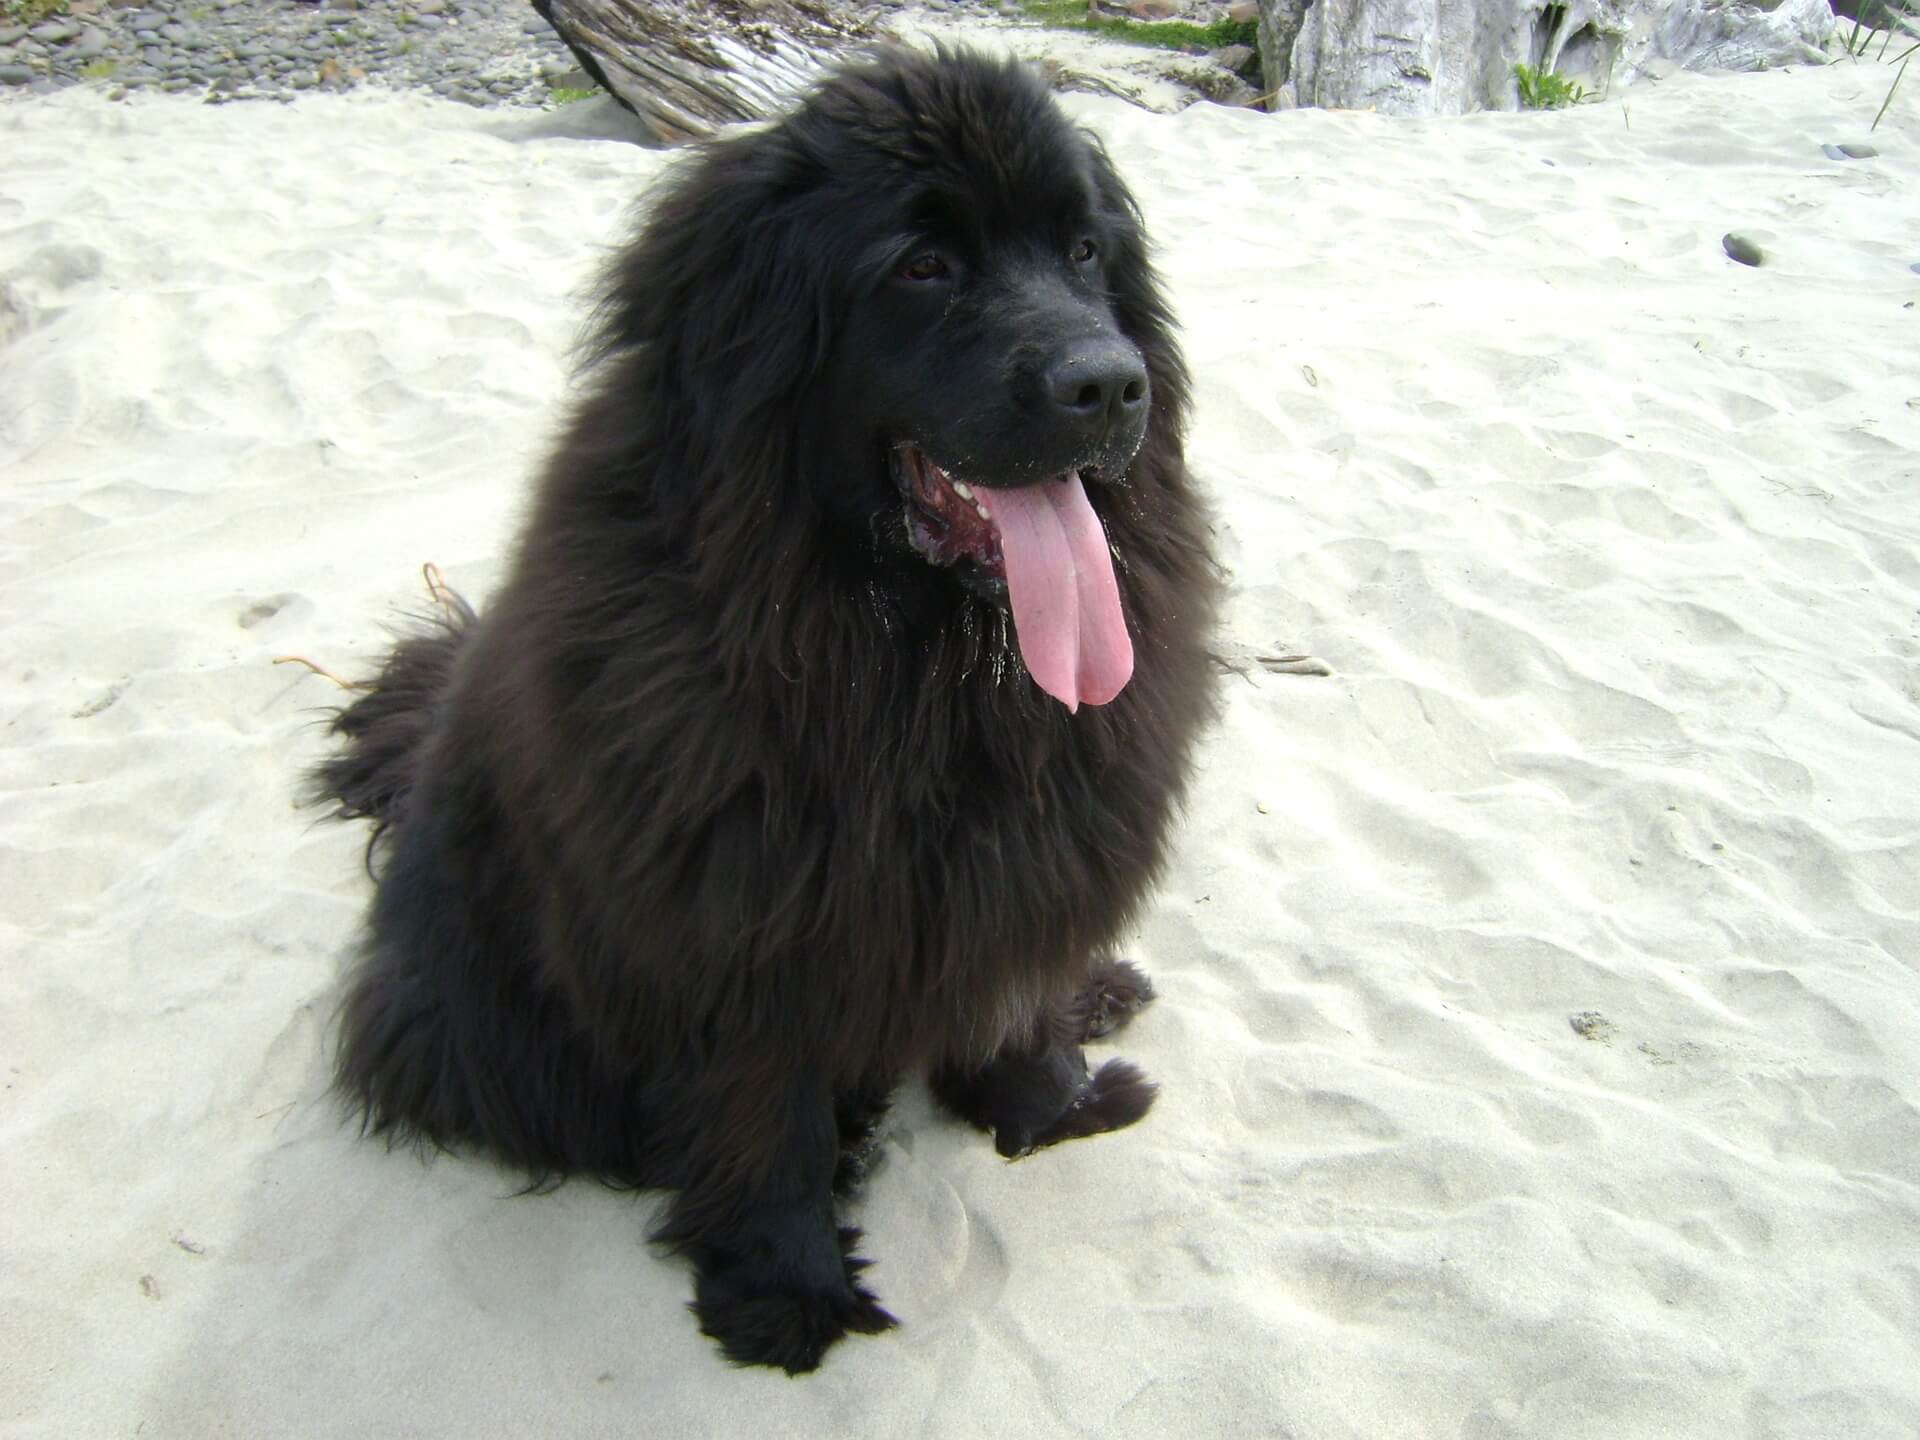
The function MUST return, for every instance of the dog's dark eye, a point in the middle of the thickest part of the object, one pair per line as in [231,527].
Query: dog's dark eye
[927,265]
[1085,252]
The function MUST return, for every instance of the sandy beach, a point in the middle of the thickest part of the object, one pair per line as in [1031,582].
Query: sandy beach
[1540,1020]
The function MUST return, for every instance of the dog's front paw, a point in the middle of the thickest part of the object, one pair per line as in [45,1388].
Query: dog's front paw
[1115,992]
[1115,1097]
[759,1320]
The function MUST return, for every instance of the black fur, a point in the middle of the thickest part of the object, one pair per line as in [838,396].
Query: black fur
[733,808]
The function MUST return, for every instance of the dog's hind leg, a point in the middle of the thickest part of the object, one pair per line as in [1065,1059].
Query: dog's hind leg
[1038,1092]
[774,1273]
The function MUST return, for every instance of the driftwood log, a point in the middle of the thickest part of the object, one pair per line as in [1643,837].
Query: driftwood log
[686,67]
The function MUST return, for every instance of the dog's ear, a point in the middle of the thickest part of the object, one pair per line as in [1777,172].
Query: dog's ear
[717,307]
[1139,305]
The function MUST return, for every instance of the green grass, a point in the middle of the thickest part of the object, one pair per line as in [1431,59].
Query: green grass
[30,12]
[101,69]
[1544,90]
[1158,34]
[1887,15]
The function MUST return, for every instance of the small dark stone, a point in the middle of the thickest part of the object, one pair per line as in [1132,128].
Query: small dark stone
[1742,249]
[15,75]
[1848,152]
[54,32]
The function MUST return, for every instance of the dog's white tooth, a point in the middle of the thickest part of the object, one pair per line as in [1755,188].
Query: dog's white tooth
[963,490]
[981,510]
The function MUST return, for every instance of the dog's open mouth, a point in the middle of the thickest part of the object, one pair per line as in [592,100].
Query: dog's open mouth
[1048,547]
[946,519]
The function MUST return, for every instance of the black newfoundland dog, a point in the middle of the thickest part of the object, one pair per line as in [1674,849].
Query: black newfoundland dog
[830,718]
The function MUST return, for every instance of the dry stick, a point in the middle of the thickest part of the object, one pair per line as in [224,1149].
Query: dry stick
[437,587]
[323,672]
[438,591]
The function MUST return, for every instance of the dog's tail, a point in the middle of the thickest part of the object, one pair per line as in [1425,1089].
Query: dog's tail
[371,777]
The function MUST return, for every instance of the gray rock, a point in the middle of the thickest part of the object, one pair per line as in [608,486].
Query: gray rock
[174,84]
[1234,57]
[54,32]
[1447,57]
[1738,247]
[11,33]
[173,32]
[93,42]
[146,20]
[303,79]
[15,75]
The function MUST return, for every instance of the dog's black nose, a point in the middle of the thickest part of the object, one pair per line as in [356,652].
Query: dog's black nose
[1100,387]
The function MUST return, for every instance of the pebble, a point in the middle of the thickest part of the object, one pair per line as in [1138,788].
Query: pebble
[1738,247]
[1848,152]
[482,52]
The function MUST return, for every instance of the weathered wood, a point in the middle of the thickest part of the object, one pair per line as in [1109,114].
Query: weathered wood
[686,67]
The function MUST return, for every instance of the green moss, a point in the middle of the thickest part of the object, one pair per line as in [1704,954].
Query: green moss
[562,95]
[101,69]
[1158,34]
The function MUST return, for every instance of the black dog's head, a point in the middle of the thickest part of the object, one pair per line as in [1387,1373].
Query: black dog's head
[917,316]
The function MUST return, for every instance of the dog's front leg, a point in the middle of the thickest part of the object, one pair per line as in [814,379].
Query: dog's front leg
[774,1277]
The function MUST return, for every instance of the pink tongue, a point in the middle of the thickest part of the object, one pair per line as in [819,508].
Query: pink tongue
[1066,607]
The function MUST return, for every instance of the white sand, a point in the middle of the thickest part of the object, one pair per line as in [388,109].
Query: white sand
[1613,547]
